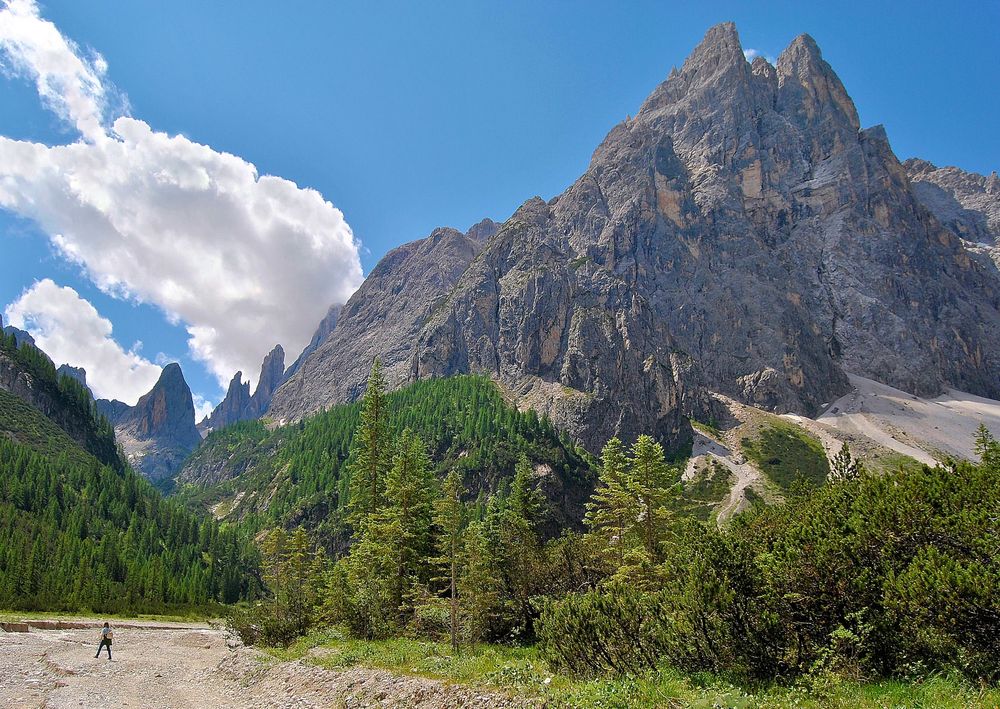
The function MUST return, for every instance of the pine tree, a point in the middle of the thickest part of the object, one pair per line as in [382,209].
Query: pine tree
[649,477]
[612,502]
[986,446]
[370,453]
[449,518]
[389,558]
[408,514]
[844,467]
[274,552]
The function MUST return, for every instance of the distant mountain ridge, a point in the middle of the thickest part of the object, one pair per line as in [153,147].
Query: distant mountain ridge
[382,319]
[239,404]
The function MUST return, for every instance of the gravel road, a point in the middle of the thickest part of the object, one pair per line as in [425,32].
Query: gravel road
[181,665]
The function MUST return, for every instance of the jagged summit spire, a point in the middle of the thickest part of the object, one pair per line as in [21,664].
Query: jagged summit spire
[718,55]
[811,84]
[719,49]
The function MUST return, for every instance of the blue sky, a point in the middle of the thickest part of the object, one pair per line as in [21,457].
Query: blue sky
[406,116]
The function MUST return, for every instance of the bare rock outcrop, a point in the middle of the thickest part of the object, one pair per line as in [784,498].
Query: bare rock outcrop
[239,404]
[157,433]
[965,202]
[382,319]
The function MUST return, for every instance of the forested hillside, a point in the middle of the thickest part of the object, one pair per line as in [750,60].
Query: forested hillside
[76,534]
[28,373]
[79,530]
[296,474]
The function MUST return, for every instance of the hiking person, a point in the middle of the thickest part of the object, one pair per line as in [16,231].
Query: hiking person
[106,635]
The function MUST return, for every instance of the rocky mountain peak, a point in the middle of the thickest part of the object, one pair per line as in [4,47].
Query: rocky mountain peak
[238,404]
[20,336]
[272,371]
[763,68]
[159,431]
[233,407]
[77,373]
[717,60]
[483,231]
[399,294]
[720,50]
[966,203]
[739,235]
[167,410]
[323,330]
[809,87]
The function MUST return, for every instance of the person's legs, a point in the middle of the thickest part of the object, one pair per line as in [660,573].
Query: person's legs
[99,648]
[107,644]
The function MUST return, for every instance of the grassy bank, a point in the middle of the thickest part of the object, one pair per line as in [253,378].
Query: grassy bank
[522,672]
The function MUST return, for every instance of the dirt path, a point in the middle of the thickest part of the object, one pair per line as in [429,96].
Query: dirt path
[192,666]
[703,451]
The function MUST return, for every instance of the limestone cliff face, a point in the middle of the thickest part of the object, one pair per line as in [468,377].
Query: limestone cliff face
[966,203]
[741,234]
[382,319]
[158,432]
[741,221]
[235,406]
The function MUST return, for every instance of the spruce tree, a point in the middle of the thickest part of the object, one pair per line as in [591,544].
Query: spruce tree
[649,477]
[370,452]
[612,502]
[408,514]
[449,518]
[986,446]
[389,558]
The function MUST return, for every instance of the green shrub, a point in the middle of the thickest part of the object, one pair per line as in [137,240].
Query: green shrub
[866,578]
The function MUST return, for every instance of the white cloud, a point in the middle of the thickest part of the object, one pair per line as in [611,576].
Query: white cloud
[244,261]
[70,85]
[70,330]
[202,407]
[752,54]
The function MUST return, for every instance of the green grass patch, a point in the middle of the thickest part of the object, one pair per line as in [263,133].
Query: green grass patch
[709,428]
[785,453]
[711,484]
[893,461]
[522,672]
